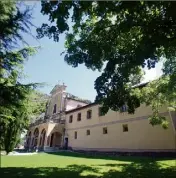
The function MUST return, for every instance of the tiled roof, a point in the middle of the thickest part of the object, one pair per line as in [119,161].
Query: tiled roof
[92,104]
[70,96]
[83,107]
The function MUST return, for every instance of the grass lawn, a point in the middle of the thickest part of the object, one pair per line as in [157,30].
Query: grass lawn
[73,165]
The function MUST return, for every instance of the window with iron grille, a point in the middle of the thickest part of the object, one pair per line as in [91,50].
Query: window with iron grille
[89,114]
[71,119]
[105,130]
[125,127]
[79,117]
[88,132]
[75,135]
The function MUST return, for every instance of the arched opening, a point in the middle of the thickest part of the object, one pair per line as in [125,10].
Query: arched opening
[42,138]
[48,141]
[36,134]
[32,144]
[28,139]
[56,139]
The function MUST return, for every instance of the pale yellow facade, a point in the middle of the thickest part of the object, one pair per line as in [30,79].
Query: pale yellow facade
[121,132]
[141,136]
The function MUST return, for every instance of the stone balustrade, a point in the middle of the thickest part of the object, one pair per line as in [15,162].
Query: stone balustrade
[55,118]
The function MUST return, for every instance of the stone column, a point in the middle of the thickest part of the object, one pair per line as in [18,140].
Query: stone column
[62,141]
[38,140]
[47,136]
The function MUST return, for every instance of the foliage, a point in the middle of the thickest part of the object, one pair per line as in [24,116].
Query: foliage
[14,111]
[126,36]
[11,89]
[156,95]
[38,103]
[20,141]
[16,119]
[11,134]
[14,103]
[14,22]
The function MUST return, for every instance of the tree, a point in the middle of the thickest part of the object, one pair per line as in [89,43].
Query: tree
[13,23]
[38,102]
[126,36]
[19,142]
[14,102]
[16,119]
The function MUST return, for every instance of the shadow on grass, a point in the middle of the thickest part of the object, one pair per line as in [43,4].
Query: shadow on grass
[53,172]
[133,170]
[111,157]
[140,170]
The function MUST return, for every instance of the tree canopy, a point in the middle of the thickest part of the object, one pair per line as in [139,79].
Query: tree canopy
[126,36]
[15,101]
[14,22]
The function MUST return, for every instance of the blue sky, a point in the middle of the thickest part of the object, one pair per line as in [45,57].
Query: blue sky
[48,65]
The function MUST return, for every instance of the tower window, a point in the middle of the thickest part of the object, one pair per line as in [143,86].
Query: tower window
[79,117]
[125,127]
[89,114]
[54,109]
[71,119]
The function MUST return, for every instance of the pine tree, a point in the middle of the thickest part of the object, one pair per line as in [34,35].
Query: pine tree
[14,102]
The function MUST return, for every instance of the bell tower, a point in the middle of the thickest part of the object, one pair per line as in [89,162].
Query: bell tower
[57,101]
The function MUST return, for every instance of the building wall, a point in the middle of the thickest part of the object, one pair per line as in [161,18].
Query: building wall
[141,136]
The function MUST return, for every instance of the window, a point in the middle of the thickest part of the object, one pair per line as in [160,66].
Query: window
[124,108]
[105,130]
[88,132]
[89,114]
[54,109]
[71,119]
[100,113]
[79,117]
[75,135]
[125,127]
